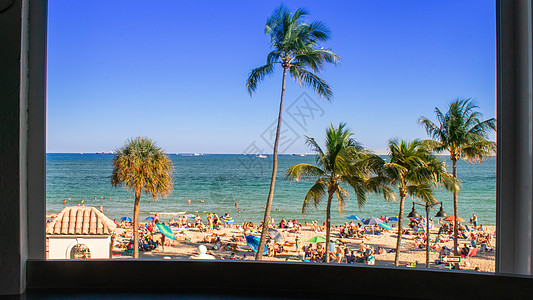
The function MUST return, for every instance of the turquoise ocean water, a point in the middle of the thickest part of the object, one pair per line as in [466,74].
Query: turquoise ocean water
[215,182]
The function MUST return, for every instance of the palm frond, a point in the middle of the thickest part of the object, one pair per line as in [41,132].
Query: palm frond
[303,171]
[423,192]
[314,195]
[316,83]
[342,197]
[257,75]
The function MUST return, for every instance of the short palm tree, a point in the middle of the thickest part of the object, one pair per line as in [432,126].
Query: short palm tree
[462,134]
[295,47]
[415,172]
[142,166]
[337,165]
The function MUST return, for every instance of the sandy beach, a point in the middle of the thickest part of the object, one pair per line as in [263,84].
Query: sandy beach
[187,241]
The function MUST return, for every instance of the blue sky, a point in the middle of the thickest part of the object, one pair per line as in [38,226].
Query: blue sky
[176,71]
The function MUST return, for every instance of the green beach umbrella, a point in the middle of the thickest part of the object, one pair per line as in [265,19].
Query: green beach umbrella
[166,231]
[386,226]
[317,239]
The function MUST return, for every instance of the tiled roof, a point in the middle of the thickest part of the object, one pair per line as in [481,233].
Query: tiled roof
[84,220]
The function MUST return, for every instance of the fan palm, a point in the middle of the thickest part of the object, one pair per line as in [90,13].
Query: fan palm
[415,172]
[462,134]
[336,166]
[142,166]
[295,47]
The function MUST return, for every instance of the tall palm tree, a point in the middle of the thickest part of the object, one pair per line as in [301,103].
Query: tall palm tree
[415,172]
[462,134]
[295,47]
[142,166]
[336,166]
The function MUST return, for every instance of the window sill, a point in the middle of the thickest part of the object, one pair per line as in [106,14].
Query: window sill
[268,278]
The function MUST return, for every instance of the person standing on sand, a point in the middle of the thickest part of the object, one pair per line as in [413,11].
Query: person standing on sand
[163,241]
[474,220]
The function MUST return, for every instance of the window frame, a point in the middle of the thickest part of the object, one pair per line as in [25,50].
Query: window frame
[514,181]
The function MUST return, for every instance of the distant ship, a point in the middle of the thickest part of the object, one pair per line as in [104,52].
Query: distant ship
[190,154]
[261,156]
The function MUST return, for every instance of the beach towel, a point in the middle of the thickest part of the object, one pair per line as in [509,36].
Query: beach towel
[472,252]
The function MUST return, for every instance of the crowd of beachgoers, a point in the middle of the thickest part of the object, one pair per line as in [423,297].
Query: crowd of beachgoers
[352,242]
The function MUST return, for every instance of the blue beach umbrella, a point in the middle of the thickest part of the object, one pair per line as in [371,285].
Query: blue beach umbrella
[166,231]
[127,219]
[253,242]
[190,216]
[354,217]
[150,219]
[227,219]
[393,219]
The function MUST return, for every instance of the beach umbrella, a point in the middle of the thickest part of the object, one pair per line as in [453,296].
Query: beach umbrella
[150,218]
[166,231]
[372,221]
[354,217]
[317,239]
[451,218]
[190,216]
[253,242]
[421,227]
[393,219]
[227,219]
[276,236]
[127,219]
[383,225]
[51,216]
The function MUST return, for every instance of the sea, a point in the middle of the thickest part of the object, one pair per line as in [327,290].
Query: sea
[238,184]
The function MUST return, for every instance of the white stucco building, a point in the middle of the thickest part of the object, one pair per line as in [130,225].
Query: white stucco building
[80,233]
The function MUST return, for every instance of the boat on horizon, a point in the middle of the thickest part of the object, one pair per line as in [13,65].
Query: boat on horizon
[261,156]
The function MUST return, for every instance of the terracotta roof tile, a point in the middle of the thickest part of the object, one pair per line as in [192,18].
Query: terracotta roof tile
[84,220]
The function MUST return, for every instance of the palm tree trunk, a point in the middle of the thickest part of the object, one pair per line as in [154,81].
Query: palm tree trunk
[400,225]
[328,224]
[455,211]
[136,224]
[266,218]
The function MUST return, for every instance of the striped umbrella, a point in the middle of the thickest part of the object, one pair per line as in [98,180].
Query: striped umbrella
[253,242]
[421,227]
[227,219]
[372,221]
[385,226]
